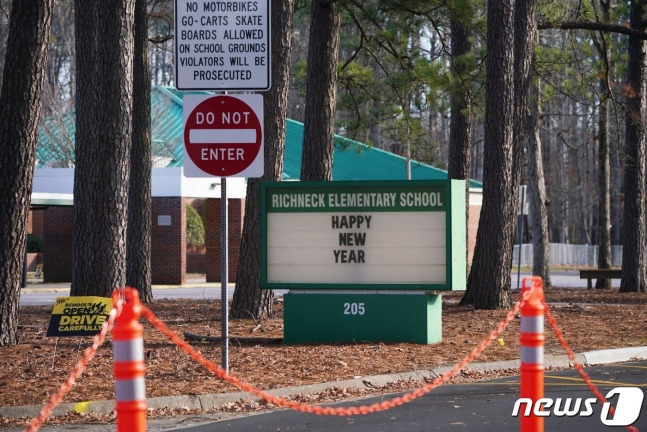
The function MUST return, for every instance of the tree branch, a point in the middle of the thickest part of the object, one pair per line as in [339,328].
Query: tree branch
[589,25]
[237,340]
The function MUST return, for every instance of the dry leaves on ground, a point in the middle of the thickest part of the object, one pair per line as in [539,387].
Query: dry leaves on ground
[33,370]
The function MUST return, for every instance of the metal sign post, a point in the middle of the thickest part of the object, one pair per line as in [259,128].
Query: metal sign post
[224,274]
[223,137]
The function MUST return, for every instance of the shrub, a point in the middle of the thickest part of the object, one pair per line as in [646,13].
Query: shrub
[34,243]
[194,227]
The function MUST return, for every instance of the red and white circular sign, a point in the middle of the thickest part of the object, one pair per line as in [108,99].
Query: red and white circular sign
[223,135]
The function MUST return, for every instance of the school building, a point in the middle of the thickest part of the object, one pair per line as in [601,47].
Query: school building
[52,198]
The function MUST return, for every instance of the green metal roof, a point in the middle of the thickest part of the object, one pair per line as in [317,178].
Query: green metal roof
[56,134]
[167,126]
[352,160]
[56,141]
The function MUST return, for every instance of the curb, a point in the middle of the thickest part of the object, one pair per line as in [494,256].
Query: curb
[210,401]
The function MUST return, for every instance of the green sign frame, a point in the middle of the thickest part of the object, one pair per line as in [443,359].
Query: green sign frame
[333,318]
[352,203]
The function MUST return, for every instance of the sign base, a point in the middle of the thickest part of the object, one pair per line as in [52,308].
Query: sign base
[315,317]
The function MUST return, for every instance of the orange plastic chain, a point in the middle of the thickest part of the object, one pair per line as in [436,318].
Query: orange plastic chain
[98,340]
[318,409]
[88,355]
[577,365]
[118,304]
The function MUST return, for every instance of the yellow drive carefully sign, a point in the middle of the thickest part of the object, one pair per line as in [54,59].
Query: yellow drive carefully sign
[79,316]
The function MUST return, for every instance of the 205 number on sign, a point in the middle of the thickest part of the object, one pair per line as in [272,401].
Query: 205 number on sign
[354,309]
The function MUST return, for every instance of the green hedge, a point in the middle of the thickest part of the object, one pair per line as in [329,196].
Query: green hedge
[194,227]
[34,243]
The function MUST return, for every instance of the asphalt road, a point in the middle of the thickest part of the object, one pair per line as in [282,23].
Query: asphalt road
[482,406]
[37,294]
[46,294]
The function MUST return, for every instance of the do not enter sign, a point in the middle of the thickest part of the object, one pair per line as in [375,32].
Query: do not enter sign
[223,135]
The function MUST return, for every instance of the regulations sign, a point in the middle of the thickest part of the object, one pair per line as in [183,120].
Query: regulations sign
[223,135]
[79,316]
[407,235]
[222,45]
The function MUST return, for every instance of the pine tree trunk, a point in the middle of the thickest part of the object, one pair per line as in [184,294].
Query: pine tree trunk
[604,186]
[249,300]
[460,128]
[20,106]
[321,89]
[138,256]
[525,29]
[461,115]
[104,37]
[489,278]
[604,157]
[537,191]
[633,236]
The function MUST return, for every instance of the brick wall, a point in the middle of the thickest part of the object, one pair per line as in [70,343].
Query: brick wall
[57,244]
[169,261]
[168,255]
[33,259]
[213,238]
[35,222]
[196,262]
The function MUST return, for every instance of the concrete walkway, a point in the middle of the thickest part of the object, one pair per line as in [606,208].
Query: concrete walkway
[42,294]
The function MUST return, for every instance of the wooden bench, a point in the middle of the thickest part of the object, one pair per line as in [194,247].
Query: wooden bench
[591,274]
